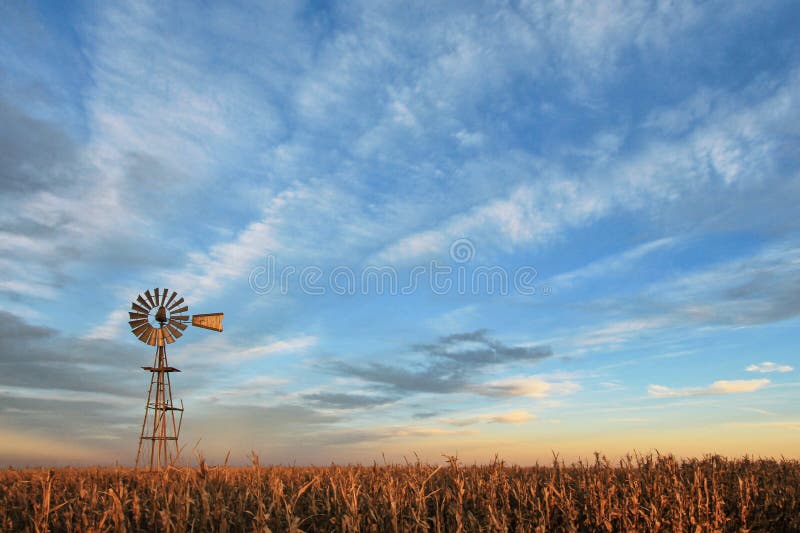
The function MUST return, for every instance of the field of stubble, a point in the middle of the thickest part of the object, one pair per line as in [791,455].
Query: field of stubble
[644,493]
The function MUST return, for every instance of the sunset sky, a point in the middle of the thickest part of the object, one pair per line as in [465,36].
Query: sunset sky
[511,228]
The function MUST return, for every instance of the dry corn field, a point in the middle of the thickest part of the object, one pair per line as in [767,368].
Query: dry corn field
[643,493]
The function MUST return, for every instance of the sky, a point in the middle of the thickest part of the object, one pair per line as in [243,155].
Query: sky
[513,228]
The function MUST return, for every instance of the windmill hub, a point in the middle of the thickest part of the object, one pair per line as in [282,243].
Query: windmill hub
[161,315]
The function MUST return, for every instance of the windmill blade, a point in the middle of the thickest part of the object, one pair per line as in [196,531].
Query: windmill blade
[144,304]
[153,337]
[212,321]
[156,338]
[183,318]
[137,322]
[138,330]
[149,298]
[167,336]
[164,296]
[144,336]
[137,316]
[175,323]
[176,304]
[176,334]
[181,310]
[157,297]
[139,308]
[174,294]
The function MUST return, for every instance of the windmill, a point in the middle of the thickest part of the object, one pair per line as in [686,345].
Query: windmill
[157,320]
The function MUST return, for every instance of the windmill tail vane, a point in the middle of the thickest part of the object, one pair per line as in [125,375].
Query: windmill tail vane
[159,319]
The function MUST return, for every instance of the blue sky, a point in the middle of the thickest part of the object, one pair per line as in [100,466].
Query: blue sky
[635,163]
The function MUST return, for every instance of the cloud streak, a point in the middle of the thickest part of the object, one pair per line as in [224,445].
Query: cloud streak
[614,264]
[341,400]
[718,387]
[513,417]
[208,351]
[528,386]
[447,366]
[769,366]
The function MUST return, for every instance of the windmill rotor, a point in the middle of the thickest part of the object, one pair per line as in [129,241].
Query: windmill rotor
[160,316]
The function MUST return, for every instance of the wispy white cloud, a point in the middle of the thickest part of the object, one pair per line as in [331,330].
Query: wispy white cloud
[272,346]
[526,386]
[756,288]
[531,213]
[219,349]
[158,130]
[750,290]
[769,366]
[469,139]
[26,288]
[112,328]
[380,433]
[613,264]
[458,319]
[619,332]
[613,385]
[682,117]
[718,387]
[758,411]
[728,150]
[256,390]
[589,39]
[63,395]
[513,417]
[426,432]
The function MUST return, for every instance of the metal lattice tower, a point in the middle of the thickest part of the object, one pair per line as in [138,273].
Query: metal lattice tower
[157,321]
[160,436]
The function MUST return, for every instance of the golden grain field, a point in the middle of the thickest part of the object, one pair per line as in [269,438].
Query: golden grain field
[642,493]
